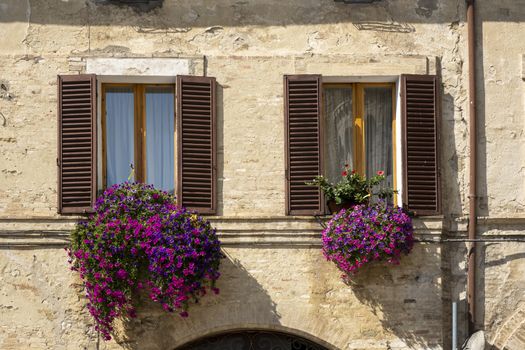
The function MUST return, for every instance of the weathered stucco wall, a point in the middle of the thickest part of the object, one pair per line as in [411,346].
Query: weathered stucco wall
[42,306]
[503,105]
[249,45]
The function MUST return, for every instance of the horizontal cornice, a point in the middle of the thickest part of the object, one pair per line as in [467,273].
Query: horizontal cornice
[252,232]
[263,231]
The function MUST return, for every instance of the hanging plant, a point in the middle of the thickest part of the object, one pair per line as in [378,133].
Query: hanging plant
[366,233]
[138,238]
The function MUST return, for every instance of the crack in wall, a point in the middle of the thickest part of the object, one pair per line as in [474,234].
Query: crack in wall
[25,41]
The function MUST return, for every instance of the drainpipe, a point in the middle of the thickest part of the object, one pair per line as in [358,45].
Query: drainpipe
[472,220]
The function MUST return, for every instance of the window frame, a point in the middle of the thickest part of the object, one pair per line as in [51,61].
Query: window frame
[79,119]
[417,108]
[359,127]
[139,132]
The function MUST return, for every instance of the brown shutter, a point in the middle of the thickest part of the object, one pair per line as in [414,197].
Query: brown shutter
[420,118]
[302,96]
[76,143]
[196,140]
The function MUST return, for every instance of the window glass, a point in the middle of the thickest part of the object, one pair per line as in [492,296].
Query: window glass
[378,131]
[160,128]
[119,134]
[339,130]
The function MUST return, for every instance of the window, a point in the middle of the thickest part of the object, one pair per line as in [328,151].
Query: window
[327,125]
[138,133]
[359,129]
[132,136]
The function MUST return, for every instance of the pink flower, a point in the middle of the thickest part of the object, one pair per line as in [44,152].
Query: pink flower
[152,243]
[344,173]
[380,173]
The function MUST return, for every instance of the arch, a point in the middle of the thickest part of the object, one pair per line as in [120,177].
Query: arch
[511,335]
[252,339]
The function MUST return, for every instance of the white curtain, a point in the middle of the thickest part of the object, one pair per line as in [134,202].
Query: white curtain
[160,128]
[339,129]
[119,134]
[378,132]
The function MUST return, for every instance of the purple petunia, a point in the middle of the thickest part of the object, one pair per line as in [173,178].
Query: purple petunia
[139,238]
[365,233]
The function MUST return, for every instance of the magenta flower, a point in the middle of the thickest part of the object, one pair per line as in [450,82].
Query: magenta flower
[365,233]
[138,238]
[122,274]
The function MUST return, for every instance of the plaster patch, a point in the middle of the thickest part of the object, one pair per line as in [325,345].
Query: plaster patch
[138,66]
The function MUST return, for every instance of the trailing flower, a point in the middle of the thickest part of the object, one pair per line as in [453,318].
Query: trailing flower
[138,238]
[366,233]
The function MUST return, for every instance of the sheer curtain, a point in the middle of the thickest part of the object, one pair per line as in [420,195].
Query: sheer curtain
[160,127]
[339,128]
[378,132]
[119,134]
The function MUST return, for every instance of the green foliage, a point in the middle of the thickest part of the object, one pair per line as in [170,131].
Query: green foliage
[353,187]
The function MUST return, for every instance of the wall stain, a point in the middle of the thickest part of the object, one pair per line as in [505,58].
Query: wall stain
[425,8]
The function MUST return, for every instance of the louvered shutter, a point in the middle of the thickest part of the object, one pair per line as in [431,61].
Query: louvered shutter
[420,119]
[302,95]
[196,137]
[76,143]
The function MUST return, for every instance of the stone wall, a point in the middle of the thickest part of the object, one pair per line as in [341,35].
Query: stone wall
[248,46]
[279,281]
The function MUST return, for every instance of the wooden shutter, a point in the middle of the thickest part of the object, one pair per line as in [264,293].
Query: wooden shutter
[302,95]
[420,119]
[76,143]
[196,138]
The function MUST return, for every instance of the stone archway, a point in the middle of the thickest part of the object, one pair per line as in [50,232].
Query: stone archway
[252,340]
[511,335]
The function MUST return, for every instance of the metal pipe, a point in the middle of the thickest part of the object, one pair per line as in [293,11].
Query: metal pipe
[454,325]
[463,240]
[472,223]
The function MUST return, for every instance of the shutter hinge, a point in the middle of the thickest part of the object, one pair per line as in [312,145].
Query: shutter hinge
[58,162]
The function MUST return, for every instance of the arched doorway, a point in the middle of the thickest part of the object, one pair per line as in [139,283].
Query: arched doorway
[252,340]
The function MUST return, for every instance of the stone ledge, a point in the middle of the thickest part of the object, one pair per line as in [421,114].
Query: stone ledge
[429,224]
[487,223]
[275,232]
[60,239]
[11,239]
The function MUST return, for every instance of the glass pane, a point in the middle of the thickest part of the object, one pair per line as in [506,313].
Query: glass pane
[119,134]
[160,127]
[339,131]
[378,132]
